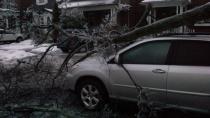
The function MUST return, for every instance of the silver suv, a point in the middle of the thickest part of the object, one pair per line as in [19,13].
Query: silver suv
[176,70]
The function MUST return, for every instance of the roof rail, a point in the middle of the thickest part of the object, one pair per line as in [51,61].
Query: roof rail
[184,34]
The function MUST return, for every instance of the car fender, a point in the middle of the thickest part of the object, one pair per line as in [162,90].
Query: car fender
[101,75]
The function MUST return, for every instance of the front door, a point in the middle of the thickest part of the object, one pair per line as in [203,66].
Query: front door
[146,64]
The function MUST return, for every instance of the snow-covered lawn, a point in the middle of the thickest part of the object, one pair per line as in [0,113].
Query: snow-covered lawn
[10,53]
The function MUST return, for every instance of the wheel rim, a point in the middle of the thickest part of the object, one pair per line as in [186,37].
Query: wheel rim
[90,96]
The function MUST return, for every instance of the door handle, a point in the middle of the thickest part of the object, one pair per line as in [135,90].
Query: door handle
[160,71]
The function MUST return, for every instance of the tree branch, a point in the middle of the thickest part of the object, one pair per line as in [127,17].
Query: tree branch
[188,17]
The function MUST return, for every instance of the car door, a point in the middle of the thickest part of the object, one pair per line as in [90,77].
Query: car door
[9,36]
[146,64]
[188,81]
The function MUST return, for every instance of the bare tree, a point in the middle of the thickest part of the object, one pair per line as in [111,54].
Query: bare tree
[56,20]
[22,6]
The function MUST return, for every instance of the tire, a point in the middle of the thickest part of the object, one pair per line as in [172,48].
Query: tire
[92,94]
[19,39]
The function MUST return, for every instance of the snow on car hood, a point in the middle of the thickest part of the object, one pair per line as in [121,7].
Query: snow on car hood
[94,60]
[10,53]
[93,63]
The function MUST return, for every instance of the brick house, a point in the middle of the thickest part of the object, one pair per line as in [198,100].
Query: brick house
[203,26]
[166,8]
[94,10]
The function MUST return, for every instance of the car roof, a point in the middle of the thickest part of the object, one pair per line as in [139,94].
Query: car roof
[183,37]
[180,37]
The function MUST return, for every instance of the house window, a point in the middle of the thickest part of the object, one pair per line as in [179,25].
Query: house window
[48,21]
[41,20]
[164,12]
[95,18]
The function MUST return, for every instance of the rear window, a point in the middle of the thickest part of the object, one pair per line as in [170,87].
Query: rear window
[8,32]
[191,53]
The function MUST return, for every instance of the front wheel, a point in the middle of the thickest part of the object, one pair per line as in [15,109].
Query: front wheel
[92,94]
[19,39]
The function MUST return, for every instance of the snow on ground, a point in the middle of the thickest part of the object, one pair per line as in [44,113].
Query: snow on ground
[24,45]
[10,53]
[42,48]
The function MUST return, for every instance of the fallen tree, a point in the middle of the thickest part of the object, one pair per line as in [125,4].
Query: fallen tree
[187,18]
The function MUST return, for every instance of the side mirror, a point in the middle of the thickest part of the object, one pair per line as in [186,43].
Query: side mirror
[117,59]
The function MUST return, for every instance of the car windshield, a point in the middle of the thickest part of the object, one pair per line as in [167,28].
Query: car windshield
[110,51]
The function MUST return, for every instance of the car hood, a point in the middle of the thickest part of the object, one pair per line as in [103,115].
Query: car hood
[95,62]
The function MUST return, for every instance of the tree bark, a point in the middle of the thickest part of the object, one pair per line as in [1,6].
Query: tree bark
[187,18]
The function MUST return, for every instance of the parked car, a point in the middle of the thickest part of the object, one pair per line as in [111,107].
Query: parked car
[175,70]
[10,36]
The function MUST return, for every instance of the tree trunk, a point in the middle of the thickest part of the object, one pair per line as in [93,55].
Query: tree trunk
[187,18]
[21,20]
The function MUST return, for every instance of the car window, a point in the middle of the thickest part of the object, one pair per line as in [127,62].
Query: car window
[2,31]
[191,53]
[147,53]
[8,32]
